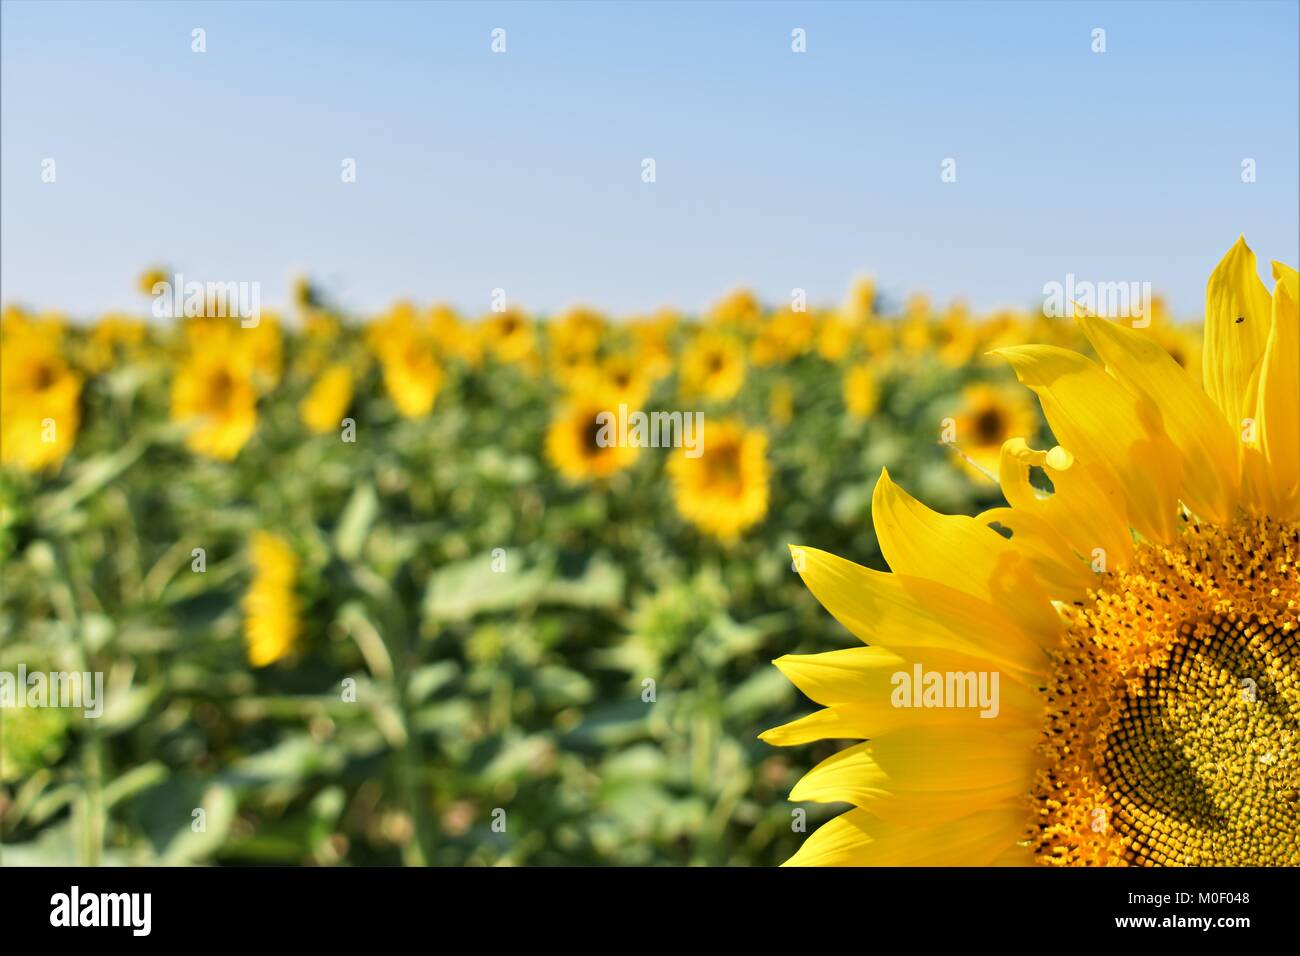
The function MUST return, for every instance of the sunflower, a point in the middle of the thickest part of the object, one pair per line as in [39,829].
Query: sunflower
[652,340]
[914,331]
[739,311]
[271,606]
[990,414]
[879,339]
[784,336]
[150,278]
[860,306]
[575,369]
[323,408]
[579,444]
[724,490]
[509,337]
[625,379]
[321,333]
[453,337]
[861,393]
[264,345]
[114,337]
[954,337]
[392,330]
[1141,620]
[412,374]
[39,398]
[259,348]
[835,337]
[713,367]
[578,331]
[1181,341]
[213,393]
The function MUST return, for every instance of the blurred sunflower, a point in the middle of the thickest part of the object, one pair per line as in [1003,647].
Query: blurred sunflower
[453,337]
[321,332]
[712,367]
[323,408]
[576,369]
[626,380]
[150,278]
[271,605]
[1182,342]
[652,343]
[412,375]
[391,330]
[860,305]
[509,337]
[724,490]
[574,440]
[878,340]
[738,311]
[264,345]
[578,331]
[1142,619]
[113,338]
[835,337]
[213,393]
[784,336]
[260,347]
[954,337]
[991,414]
[861,393]
[321,328]
[39,398]
[914,331]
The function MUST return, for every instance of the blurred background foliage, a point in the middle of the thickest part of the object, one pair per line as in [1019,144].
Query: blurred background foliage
[468,628]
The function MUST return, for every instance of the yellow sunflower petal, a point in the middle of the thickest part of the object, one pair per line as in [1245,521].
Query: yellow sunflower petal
[841,676]
[1278,403]
[1100,423]
[992,753]
[1086,508]
[1063,572]
[899,612]
[874,692]
[958,550]
[1206,441]
[829,723]
[1237,313]
[855,775]
[857,838]
[845,778]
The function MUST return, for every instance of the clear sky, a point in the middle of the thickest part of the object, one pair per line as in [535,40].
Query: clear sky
[522,170]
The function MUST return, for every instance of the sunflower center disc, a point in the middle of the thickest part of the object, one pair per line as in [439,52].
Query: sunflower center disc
[1201,764]
[1173,713]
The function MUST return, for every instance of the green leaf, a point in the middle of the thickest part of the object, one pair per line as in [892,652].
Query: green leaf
[355,522]
[459,591]
[765,691]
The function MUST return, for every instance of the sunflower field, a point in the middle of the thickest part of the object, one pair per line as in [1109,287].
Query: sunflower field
[368,590]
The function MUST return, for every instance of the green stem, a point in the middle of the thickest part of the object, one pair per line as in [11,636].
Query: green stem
[92,774]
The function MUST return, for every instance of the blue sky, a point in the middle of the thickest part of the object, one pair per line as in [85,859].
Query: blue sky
[523,171]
